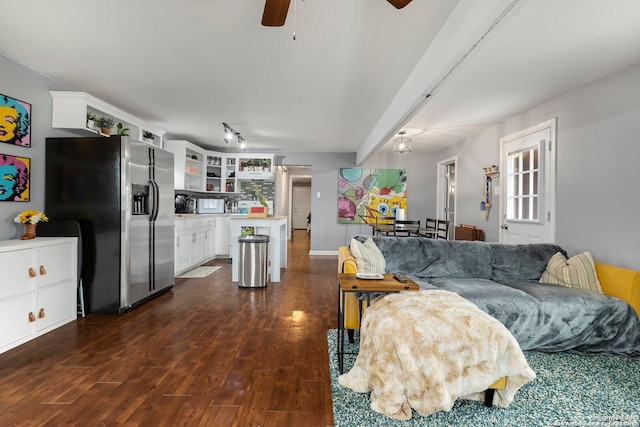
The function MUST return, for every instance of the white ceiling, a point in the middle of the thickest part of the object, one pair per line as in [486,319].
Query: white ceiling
[351,79]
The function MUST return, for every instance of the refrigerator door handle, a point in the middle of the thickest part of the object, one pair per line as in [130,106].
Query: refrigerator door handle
[156,196]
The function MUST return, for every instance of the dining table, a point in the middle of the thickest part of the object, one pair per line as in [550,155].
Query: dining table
[404,230]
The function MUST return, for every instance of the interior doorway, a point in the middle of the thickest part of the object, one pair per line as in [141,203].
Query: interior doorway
[446,194]
[299,196]
[301,203]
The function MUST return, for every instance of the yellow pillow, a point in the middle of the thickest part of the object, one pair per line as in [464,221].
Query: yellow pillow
[579,272]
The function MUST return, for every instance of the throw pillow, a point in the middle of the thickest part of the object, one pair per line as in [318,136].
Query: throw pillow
[579,272]
[368,257]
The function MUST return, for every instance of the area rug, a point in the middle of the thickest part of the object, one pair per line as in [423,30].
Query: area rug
[569,390]
[199,272]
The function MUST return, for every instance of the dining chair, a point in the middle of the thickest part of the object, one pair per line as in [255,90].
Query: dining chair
[430,228]
[400,227]
[442,229]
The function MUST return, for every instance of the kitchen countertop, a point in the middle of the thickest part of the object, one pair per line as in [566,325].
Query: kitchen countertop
[259,218]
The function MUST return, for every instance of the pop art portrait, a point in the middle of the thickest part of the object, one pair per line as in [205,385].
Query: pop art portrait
[14,178]
[15,121]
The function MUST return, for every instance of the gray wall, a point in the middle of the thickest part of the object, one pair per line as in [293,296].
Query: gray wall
[598,147]
[326,233]
[26,85]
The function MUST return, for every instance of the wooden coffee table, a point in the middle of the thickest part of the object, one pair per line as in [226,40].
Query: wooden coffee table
[350,283]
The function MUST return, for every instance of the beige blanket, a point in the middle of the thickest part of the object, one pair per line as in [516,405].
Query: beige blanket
[423,350]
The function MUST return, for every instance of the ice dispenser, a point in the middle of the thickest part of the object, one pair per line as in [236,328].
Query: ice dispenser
[140,199]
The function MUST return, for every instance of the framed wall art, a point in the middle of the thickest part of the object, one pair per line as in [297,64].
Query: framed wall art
[14,178]
[15,121]
[364,194]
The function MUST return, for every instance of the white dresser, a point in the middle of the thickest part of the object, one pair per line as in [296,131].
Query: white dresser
[38,287]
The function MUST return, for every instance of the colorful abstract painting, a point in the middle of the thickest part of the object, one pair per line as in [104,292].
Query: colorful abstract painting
[15,121]
[14,178]
[364,194]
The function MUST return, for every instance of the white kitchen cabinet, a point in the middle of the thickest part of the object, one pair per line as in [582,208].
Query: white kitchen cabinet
[209,239]
[222,245]
[38,292]
[220,173]
[194,242]
[70,111]
[188,165]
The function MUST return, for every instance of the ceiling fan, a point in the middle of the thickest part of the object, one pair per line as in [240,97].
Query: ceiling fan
[275,11]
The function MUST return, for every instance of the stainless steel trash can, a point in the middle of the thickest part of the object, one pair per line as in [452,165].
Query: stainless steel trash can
[252,270]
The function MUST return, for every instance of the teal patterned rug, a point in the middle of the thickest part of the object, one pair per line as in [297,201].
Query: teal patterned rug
[569,390]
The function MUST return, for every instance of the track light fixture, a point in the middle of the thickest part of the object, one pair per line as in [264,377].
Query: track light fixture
[229,133]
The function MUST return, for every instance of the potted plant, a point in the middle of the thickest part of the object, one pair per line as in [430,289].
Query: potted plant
[147,136]
[91,120]
[105,124]
[122,131]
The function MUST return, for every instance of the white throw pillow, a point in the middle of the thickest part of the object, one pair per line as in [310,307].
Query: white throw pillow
[368,257]
[579,272]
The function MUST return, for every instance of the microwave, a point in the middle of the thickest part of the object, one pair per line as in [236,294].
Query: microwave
[211,206]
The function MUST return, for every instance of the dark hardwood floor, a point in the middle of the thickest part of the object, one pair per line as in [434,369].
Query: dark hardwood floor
[206,353]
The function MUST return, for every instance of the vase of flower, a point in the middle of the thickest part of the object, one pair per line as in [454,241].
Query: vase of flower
[29,231]
[30,219]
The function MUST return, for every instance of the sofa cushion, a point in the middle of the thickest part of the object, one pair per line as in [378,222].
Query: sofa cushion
[578,272]
[425,257]
[520,262]
[571,319]
[368,257]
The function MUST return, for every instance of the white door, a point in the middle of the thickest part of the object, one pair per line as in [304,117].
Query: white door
[446,192]
[301,201]
[527,177]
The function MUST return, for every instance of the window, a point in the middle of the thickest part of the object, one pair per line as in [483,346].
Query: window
[524,184]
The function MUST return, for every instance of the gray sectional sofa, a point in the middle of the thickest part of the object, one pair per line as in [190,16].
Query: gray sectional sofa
[502,280]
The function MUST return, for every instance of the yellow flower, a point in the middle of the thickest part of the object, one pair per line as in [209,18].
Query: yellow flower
[31,217]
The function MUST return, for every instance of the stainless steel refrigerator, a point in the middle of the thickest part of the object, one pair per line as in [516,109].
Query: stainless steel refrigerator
[121,192]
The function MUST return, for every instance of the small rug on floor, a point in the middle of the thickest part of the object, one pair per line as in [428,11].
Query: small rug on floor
[569,390]
[199,272]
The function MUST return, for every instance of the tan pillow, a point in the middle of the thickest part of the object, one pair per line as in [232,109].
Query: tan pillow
[579,272]
[368,257]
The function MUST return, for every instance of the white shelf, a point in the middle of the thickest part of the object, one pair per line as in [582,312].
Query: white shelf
[70,112]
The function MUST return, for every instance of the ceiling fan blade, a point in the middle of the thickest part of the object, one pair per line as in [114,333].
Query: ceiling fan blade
[275,12]
[399,4]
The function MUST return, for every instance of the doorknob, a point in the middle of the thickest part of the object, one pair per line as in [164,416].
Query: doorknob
[504,226]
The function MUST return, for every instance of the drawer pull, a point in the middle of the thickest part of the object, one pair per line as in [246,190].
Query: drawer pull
[32,318]
[43,270]
[32,272]
[41,314]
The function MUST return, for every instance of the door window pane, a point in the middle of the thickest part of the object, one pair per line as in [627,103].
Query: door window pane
[523,182]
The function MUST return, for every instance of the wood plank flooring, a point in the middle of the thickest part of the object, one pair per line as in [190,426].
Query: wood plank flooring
[206,353]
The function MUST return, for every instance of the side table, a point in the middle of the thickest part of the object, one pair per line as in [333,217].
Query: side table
[350,283]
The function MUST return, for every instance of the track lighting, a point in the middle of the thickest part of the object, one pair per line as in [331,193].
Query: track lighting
[229,133]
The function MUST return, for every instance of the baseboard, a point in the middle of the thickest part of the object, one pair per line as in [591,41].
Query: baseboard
[324,253]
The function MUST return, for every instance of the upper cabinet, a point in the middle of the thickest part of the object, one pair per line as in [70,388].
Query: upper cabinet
[79,110]
[254,166]
[188,165]
[220,173]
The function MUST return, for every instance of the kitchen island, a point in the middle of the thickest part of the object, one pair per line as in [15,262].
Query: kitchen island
[273,226]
